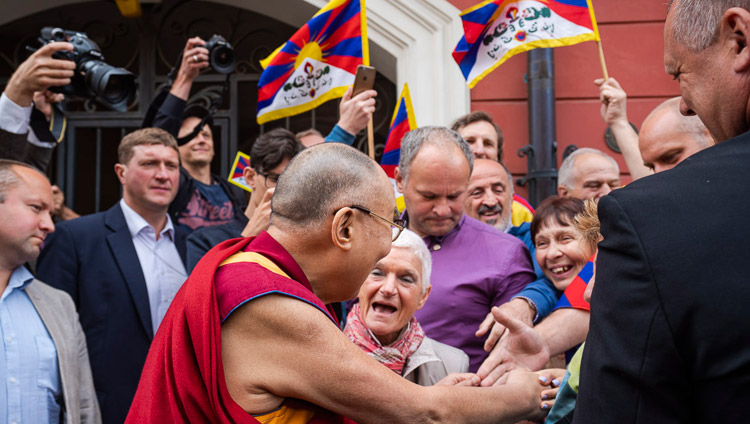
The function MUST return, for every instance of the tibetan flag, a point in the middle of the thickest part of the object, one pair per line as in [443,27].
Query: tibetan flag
[317,64]
[402,122]
[572,297]
[241,162]
[495,30]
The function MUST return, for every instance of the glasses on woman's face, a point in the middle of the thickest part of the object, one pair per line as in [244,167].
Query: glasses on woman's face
[397,225]
[269,179]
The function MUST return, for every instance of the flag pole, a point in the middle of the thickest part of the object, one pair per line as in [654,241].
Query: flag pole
[602,61]
[370,139]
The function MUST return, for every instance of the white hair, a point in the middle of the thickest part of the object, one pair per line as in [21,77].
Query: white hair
[411,241]
[695,23]
[566,177]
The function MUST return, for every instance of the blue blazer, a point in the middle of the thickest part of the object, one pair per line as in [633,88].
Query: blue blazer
[93,259]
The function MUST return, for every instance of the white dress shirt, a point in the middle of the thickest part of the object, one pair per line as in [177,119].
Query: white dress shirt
[160,262]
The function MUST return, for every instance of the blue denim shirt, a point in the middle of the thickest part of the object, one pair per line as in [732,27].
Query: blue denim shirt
[30,389]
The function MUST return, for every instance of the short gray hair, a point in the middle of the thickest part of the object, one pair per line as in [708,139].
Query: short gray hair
[411,241]
[8,176]
[566,177]
[695,23]
[322,178]
[413,141]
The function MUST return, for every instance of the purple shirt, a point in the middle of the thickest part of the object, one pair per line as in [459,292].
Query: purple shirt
[474,267]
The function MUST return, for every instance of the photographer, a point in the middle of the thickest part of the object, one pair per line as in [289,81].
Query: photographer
[35,75]
[29,83]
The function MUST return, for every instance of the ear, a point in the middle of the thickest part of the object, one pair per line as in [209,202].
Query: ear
[735,29]
[399,180]
[562,191]
[120,171]
[342,229]
[249,175]
[424,297]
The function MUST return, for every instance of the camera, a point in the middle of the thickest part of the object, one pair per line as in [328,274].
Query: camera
[93,78]
[221,55]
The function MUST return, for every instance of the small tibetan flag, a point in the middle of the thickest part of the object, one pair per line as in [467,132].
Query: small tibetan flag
[317,64]
[402,122]
[241,162]
[495,30]
[572,297]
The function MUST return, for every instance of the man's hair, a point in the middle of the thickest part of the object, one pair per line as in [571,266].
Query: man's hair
[562,210]
[8,176]
[310,131]
[442,137]
[410,240]
[695,23]
[145,136]
[270,149]
[566,176]
[479,116]
[322,179]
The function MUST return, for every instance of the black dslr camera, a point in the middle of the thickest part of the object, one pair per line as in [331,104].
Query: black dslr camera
[93,78]
[221,55]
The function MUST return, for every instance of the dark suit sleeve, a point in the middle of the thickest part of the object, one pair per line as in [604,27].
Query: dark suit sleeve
[631,371]
[17,147]
[169,115]
[58,262]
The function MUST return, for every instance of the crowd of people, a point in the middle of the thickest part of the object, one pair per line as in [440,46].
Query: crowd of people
[187,302]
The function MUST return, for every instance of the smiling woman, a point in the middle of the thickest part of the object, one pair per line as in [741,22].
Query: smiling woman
[383,322]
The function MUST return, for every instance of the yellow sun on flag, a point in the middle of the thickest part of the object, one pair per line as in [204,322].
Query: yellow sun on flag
[311,50]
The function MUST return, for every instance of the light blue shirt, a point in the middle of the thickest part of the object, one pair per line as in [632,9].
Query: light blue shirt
[30,389]
[160,261]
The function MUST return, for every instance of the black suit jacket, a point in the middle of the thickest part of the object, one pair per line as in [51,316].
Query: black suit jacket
[669,340]
[94,260]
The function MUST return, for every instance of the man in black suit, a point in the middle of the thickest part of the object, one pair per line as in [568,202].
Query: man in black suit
[122,267]
[668,335]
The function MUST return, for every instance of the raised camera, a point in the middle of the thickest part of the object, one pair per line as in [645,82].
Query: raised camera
[93,78]
[221,55]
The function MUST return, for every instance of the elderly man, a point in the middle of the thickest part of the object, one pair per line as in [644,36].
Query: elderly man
[123,267]
[670,300]
[44,364]
[666,138]
[475,266]
[486,142]
[588,174]
[250,332]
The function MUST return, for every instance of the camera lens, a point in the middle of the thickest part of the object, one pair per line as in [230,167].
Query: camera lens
[114,87]
[222,59]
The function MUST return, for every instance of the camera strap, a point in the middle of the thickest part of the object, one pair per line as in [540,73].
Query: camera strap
[52,131]
[215,103]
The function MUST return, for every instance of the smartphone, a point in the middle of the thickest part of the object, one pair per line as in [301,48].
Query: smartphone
[364,79]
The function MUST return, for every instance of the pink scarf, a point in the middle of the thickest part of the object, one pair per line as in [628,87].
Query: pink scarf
[393,356]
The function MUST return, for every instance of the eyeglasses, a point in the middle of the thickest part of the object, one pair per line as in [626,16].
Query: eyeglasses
[269,179]
[397,225]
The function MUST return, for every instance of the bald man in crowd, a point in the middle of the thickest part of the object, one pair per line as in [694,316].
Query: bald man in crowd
[667,137]
[588,174]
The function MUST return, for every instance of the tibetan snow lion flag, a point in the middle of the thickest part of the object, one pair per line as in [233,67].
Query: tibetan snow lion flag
[402,122]
[236,174]
[495,30]
[317,64]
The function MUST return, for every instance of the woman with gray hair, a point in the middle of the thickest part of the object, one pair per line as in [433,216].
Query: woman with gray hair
[383,322]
